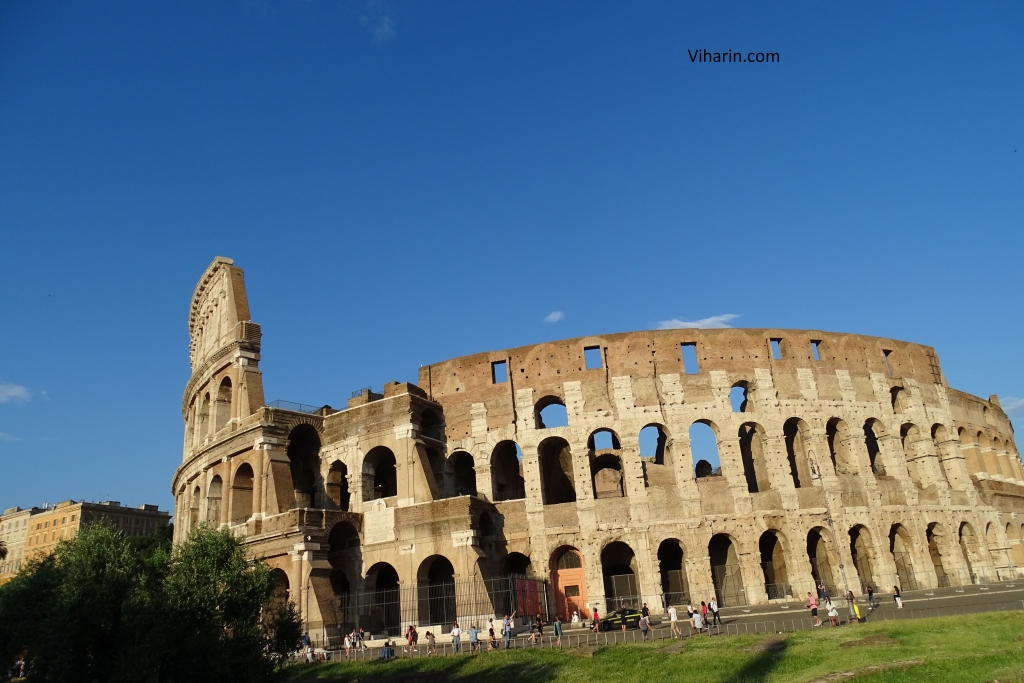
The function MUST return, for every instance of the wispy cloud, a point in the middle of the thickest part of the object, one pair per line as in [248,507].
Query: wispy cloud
[713,323]
[14,393]
[1014,407]
[554,317]
[379,21]
[4,436]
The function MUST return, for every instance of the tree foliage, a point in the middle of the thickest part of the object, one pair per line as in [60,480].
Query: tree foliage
[105,608]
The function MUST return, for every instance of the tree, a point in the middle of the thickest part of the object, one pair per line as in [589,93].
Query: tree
[3,551]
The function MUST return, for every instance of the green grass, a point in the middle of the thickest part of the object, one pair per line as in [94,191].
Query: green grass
[979,647]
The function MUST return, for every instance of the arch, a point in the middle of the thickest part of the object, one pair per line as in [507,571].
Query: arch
[569,583]
[507,481]
[991,538]
[773,565]
[550,412]
[223,405]
[337,485]
[193,511]
[901,547]
[464,473]
[431,425]
[516,564]
[241,494]
[341,541]
[674,586]
[704,449]
[934,534]
[280,588]
[822,559]
[603,439]
[488,530]
[345,557]
[304,455]
[439,471]
[872,431]
[213,500]
[380,478]
[861,550]
[909,436]
[653,440]
[619,570]
[970,451]
[897,396]
[606,476]
[838,434]
[751,437]
[796,433]
[970,550]
[385,605]
[558,482]
[725,571]
[1016,551]
[204,418]
[435,583]
[739,397]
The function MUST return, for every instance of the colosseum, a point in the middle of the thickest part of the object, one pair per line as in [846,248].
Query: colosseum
[601,472]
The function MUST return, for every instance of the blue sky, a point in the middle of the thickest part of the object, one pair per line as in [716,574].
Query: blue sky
[407,182]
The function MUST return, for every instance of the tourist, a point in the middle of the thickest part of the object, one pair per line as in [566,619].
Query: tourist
[704,611]
[492,641]
[897,597]
[714,611]
[431,648]
[506,628]
[595,625]
[557,629]
[696,623]
[689,611]
[539,625]
[645,626]
[821,591]
[812,603]
[871,597]
[347,644]
[854,608]
[415,639]
[456,637]
[673,619]
[362,638]
[408,639]
[644,612]
[474,638]
[575,617]
[388,651]
[833,613]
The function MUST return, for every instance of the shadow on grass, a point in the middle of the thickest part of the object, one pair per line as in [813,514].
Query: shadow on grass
[410,672]
[757,669]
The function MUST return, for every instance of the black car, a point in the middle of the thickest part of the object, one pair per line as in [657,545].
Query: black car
[630,616]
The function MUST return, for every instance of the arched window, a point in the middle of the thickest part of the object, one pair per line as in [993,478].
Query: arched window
[304,455]
[752,454]
[773,565]
[674,588]
[193,512]
[204,418]
[507,472]
[386,613]
[602,440]
[223,406]
[241,494]
[380,479]
[516,564]
[606,471]
[936,534]
[558,481]
[436,588]
[337,485]
[213,498]
[910,435]
[796,432]
[838,434]
[464,473]
[821,559]
[652,443]
[704,450]
[619,568]
[550,412]
[862,553]
[725,571]
[970,550]
[431,425]
[739,397]
[900,547]
[871,443]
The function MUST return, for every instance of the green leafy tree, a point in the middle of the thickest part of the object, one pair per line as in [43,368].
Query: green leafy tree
[3,551]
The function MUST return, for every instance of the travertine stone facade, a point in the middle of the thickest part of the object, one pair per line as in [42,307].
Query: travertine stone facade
[847,460]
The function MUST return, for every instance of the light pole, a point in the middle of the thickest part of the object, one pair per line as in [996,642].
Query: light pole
[828,520]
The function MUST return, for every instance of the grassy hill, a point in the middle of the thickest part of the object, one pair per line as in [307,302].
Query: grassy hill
[977,647]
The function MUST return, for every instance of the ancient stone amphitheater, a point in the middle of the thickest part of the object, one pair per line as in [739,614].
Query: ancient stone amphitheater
[599,472]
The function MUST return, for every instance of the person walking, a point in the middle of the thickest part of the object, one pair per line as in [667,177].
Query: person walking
[595,625]
[408,638]
[347,644]
[673,620]
[456,637]
[871,597]
[474,638]
[622,615]
[696,623]
[492,641]
[557,629]
[431,647]
[362,638]
[704,611]
[539,623]
[897,597]
[833,613]
[714,611]
[812,603]
[645,626]
[506,629]
[644,612]
[415,640]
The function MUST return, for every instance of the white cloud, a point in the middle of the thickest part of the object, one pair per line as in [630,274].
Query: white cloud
[4,436]
[1014,407]
[554,317]
[379,21]
[13,392]
[713,323]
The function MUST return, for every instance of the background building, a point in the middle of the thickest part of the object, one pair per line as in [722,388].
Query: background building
[568,475]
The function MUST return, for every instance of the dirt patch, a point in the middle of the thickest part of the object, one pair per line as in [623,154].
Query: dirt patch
[867,670]
[772,644]
[673,648]
[583,651]
[877,639]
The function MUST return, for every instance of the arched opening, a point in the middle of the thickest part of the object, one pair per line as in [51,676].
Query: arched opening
[900,547]
[752,454]
[213,498]
[568,582]
[193,511]
[619,569]
[935,533]
[652,443]
[380,479]
[822,570]
[280,590]
[860,550]
[725,571]
[773,565]
[871,443]
[204,418]
[940,442]
[796,431]
[241,494]
[437,465]
[516,564]
[304,454]
[1016,551]
[674,588]
[431,425]
[345,557]
[337,485]
[909,437]
[970,451]
[992,541]
[837,434]
[704,450]
[464,473]
[896,396]
[550,412]
[488,531]
[603,440]
[436,589]
[970,550]
[507,472]
[558,483]
[606,471]
[385,605]
[223,406]
[739,397]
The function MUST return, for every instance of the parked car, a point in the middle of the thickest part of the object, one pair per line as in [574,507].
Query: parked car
[630,616]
